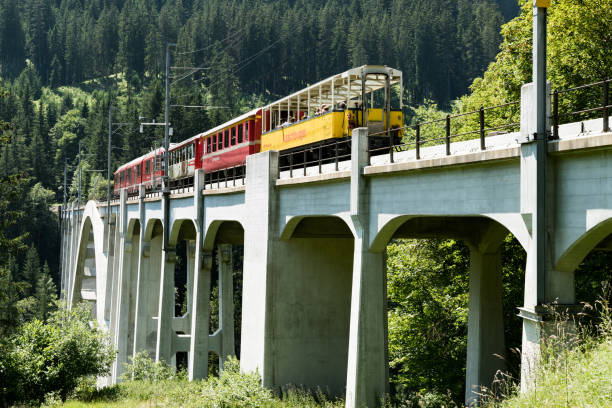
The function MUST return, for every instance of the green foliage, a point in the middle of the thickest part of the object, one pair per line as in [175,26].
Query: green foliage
[578,53]
[52,357]
[427,282]
[144,368]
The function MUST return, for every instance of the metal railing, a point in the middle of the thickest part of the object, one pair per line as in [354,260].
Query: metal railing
[441,130]
[226,176]
[325,153]
[586,111]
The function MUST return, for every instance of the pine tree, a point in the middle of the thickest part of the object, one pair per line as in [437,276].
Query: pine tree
[31,269]
[12,39]
[46,294]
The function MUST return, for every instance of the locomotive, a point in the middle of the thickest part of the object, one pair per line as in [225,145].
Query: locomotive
[307,119]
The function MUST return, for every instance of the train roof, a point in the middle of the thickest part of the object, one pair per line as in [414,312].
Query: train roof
[137,160]
[231,122]
[217,128]
[340,87]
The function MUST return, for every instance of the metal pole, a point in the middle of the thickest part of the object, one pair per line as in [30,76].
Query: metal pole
[606,101]
[447,138]
[108,162]
[539,79]
[166,177]
[79,175]
[481,120]
[167,122]
[65,178]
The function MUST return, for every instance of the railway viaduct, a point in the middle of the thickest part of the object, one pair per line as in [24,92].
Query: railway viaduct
[314,280]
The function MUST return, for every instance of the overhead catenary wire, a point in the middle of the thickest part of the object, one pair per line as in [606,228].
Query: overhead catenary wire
[231,36]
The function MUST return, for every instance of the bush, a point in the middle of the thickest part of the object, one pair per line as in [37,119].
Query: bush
[52,357]
[143,368]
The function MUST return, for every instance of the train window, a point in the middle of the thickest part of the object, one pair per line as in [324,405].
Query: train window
[240,129]
[220,141]
[191,151]
[208,146]
[246,130]
[233,130]
[214,143]
[226,139]
[147,167]
[138,174]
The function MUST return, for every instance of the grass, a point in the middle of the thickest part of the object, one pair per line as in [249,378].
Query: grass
[574,375]
[575,371]
[231,389]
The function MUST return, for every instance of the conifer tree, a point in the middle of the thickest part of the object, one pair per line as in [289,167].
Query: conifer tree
[31,269]
[45,294]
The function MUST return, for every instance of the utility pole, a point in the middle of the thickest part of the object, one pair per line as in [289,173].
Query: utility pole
[539,79]
[108,160]
[166,179]
[65,178]
[79,175]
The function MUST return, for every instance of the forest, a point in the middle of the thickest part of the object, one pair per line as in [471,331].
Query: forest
[65,63]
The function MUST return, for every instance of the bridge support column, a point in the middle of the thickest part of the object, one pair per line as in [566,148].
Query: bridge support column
[122,293]
[198,345]
[295,313]
[367,371]
[226,303]
[543,284]
[141,317]
[165,332]
[260,237]
[485,343]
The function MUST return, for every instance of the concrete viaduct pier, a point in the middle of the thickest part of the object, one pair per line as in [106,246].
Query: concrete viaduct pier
[314,279]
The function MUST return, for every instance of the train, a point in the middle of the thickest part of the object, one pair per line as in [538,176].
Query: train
[306,120]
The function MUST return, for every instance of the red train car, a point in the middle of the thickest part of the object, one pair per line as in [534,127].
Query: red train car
[145,169]
[229,144]
[222,147]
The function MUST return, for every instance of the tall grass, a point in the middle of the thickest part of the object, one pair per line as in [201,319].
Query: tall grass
[230,389]
[575,368]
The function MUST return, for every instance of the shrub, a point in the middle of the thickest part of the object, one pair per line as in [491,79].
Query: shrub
[143,368]
[52,357]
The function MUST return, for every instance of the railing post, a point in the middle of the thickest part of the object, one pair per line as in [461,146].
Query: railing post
[481,117]
[556,114]
[304,162]
[320,155]
[606,102]
[418,141]
[290,164]
[336,154]
[448,130]
[390,145]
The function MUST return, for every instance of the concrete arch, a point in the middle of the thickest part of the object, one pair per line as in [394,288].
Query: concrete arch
[312,226]
[132,223]
[89,276]
[483,235]
[512,223]
[153,227]
[599,227]
[185,227]
[232,230]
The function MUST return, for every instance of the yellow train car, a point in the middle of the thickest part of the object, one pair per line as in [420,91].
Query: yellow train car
[332,108]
